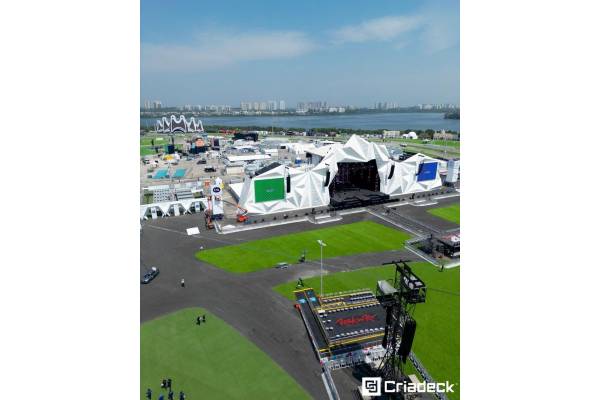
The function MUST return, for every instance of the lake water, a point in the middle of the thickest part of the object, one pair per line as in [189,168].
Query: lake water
[391,121]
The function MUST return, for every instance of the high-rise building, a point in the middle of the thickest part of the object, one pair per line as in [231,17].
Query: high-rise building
[281,105]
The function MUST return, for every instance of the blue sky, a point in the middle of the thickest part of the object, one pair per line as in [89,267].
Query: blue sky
[343,52]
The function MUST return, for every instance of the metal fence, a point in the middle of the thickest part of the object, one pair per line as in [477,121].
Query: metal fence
[424,374]
[329,384]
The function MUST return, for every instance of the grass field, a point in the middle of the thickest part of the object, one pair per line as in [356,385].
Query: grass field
[450,213]
[211,361]
[359,237]
[146,151]
[437,341]
[158,140]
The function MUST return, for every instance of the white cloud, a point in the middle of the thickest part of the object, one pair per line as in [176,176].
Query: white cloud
[432,30]
[441,31]
[379,29]
[217,49]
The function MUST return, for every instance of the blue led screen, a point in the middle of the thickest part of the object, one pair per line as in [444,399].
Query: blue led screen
[427,171]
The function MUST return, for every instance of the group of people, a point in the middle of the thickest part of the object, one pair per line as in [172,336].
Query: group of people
[199,319]
[165,384]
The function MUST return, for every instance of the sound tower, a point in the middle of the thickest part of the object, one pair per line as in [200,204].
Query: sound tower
[400,325]
[408,334]
[392,171]
[288,183]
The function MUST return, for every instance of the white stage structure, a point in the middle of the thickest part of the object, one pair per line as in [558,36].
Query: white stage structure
[172,208]
[181,124]
[285,188]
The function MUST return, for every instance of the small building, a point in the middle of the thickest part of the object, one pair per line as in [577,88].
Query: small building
[390,134]
[235,168]
[250,135]
[443,135]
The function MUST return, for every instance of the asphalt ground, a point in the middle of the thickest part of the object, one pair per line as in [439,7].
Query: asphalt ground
[247,301]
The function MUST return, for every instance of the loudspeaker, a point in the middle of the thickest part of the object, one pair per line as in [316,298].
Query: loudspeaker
[392,171]
[408,334]
[388,321]
[288,182]
[327,177]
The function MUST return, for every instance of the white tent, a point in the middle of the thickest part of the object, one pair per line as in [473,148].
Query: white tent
[310,189]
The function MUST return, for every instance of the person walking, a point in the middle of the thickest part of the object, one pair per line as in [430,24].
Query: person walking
[204,318]
[198,320]
[181,396]
[182,282]
[170,395]
[161,397]
[149,394]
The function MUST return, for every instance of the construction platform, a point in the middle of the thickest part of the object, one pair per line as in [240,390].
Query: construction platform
[342,323]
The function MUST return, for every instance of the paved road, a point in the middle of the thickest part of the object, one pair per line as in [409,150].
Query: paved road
[245,301]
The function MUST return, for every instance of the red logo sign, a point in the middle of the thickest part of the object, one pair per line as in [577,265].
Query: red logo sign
[355,320]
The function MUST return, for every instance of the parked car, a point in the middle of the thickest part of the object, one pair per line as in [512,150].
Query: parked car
[282,265]
[210,169]
[150,275]
[201,161]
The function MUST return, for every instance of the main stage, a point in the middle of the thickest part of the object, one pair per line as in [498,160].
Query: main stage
[351,198]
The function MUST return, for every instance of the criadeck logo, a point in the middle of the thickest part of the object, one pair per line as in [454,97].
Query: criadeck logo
[373,387]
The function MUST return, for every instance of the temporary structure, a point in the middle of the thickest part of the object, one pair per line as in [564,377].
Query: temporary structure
[284,188]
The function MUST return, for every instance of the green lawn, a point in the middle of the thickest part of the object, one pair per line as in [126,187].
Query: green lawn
[450,213]
[359,237]
[211,361]
[147,151]
[437,341]
[158,140]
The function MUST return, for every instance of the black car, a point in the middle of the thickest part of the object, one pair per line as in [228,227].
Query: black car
[201,161]
[150,275]
[210,169]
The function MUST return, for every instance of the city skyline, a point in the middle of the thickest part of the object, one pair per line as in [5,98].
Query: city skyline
[281,105]
[224,54]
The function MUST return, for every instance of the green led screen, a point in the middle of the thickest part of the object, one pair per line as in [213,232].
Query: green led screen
[269,190]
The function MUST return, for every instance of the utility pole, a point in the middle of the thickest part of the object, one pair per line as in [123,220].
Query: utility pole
[321,244]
